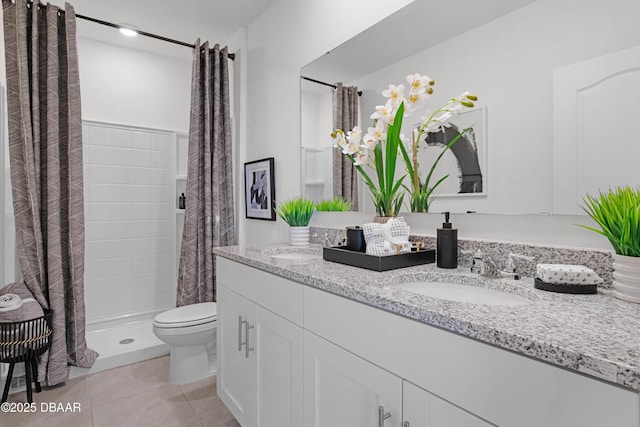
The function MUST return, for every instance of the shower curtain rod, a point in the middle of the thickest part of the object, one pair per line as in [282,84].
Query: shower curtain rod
[231,56]
[324,84]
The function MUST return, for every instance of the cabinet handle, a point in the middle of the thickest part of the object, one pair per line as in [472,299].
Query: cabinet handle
[240,323]
[382,416]
[247,349]
[406,424]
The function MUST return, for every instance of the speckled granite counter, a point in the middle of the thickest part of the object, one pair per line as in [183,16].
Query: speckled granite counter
[596,335]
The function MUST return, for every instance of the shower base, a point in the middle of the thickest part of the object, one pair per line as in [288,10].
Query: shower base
[121,342]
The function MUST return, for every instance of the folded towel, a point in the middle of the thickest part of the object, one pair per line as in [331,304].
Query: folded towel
[383,239]
[17,304]
[567,274]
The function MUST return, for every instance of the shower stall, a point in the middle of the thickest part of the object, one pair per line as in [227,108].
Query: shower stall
[133,227]
[133,177]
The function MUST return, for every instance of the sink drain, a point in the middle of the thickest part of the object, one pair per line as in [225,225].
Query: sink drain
[127,341]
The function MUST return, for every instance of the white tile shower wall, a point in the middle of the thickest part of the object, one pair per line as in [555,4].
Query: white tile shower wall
[129,220]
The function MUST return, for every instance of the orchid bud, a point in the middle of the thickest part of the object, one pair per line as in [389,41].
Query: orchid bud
[429,90]
[472,97]
[467,103]
[432,82]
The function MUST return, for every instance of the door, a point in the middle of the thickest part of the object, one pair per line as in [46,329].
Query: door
[234,363]
[343,390]
[277,370]
[594,146]
[422,409]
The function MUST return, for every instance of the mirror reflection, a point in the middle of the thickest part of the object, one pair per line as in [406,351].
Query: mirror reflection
[508,53]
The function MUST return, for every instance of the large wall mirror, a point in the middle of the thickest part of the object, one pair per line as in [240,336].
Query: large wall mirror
[512,55]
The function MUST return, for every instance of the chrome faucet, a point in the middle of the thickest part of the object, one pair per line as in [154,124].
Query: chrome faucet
[485,266]
[482,264]
[511,268]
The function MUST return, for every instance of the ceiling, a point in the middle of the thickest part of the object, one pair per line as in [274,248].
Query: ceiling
[183,20]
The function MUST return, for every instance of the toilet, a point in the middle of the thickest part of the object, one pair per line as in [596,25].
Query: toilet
[191,333]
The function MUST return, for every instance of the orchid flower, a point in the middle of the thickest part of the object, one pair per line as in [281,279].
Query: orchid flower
[360,158]
[378,131]
[394,93]
[379,147]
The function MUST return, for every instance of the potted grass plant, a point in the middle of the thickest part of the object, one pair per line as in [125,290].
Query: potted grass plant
[617,213]
[297,213]
[335,205]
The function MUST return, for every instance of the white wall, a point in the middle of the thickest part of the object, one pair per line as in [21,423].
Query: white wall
[129,210]
[286,36]
[509,64]
[133,87]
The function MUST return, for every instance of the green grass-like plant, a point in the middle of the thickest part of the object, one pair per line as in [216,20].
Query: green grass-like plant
[617,212]
[296,212]
[335,205]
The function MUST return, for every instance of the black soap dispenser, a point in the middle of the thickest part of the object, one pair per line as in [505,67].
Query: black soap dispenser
[447,245]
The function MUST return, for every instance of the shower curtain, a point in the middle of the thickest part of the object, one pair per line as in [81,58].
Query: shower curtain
[345,117]
[209,212]
[45,149]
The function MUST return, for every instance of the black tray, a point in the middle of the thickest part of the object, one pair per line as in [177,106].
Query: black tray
[343,255]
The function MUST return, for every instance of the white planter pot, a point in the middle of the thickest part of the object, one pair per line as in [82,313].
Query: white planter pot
[299,236]
[626,278]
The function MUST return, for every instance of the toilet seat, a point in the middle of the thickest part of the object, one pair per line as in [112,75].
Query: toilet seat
[189,315]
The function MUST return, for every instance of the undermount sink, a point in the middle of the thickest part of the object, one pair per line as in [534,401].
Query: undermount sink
[297,256]
[463,293]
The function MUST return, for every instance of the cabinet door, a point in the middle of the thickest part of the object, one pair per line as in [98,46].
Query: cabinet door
[277,372]
[343,390]
[234,364]
[422,409]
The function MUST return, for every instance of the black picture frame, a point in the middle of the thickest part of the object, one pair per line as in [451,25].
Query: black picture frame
[260,189]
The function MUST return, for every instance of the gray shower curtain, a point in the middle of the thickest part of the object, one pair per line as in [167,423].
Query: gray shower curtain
[345,117]
[45,149]
[209,212]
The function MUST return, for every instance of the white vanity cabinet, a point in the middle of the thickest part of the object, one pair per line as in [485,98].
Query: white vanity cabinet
[423,409]
[332,361]
[259,351]
[491,385]
[343,390]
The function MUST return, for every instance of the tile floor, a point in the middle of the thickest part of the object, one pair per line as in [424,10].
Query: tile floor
[136,395]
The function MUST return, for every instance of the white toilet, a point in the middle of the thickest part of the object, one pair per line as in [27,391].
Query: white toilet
[191,333]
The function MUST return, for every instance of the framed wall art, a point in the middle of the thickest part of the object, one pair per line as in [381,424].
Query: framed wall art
[260,189]
[465,162]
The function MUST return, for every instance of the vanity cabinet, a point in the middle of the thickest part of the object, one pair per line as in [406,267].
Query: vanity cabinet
[332,361]
[259,352]
[490,384]
[423,409]
[343,390]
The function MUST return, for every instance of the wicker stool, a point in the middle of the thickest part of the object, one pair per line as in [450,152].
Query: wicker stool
[24,342]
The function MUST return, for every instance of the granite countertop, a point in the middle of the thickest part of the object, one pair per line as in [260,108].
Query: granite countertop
[597,335]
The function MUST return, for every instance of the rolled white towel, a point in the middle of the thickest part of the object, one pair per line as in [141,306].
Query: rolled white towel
[10,302]
[17,304]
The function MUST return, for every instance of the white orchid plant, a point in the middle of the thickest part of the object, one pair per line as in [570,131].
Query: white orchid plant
[379,147]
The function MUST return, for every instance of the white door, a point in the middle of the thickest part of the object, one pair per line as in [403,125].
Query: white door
[277,376]
[594,137]
[422,409]
[343,390]
[234,362]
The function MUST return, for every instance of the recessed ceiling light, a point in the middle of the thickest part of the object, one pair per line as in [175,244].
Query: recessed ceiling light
[128,30]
